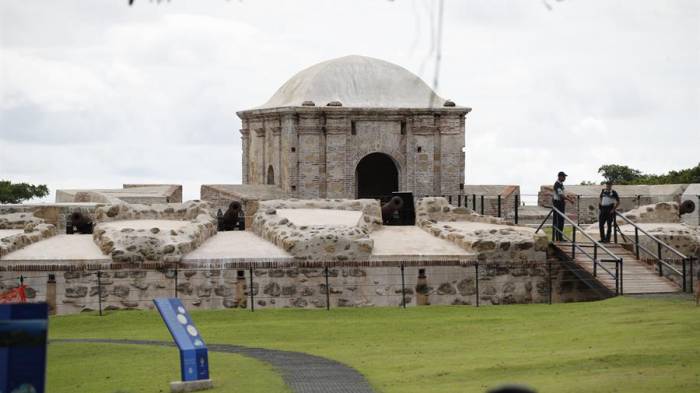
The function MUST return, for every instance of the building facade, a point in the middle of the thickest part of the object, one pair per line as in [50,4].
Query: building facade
[355,127]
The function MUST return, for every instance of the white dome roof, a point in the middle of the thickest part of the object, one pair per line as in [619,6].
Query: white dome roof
[356,81]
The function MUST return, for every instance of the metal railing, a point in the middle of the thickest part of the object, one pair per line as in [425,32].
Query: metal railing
[477,203]
[686,262]
[597,246]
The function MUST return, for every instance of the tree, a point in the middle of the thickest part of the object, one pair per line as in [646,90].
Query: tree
[18,192]
[619,174]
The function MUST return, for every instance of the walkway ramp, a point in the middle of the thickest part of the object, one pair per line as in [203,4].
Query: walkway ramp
[637,276]
[613,268]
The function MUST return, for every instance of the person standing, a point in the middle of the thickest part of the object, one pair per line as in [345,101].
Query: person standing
[559,198]
[607,207]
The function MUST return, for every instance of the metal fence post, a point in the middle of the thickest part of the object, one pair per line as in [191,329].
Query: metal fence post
[685,287]
[328,290]
[549,280]
[692,288]
[658,262]
[622,275]
[403,288]
[252,295]
[459,200]
[474,202]
[499,205]
[482,205]
[476,270]
[175,281]
[99,291]
[617,278]
[578,209]
[517,206]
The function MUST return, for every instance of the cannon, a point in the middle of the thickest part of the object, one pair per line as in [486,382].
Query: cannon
[391,209]
[686,207]
[79,223]
[232,219]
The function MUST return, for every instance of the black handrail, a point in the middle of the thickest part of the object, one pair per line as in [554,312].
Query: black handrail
[657,240]
[657,257]
[596,245]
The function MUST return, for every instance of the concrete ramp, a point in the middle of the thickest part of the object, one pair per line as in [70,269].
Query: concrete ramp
[58,250]
[412,242]
[237,246]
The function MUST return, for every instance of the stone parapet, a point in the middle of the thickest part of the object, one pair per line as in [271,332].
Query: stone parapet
[492,239]
[319,242]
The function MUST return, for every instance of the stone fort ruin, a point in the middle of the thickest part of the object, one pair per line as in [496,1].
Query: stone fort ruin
[315,158]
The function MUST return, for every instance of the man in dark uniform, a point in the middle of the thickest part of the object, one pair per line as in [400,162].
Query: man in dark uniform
[608,204]
[559,199]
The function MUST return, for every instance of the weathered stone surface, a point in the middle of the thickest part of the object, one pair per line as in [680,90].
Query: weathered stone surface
[33,230]
[446,289]
[185,288]
[130,245]
[120,291]
[272,289]
[492,239]
[19,220]
[662,212]
[76,291]
[223,291]
[319,242]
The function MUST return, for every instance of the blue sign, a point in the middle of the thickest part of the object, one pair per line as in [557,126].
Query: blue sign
[194,362]
[23,329]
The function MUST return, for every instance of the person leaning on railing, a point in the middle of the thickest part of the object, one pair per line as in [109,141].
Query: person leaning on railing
[559,198]
[607,207]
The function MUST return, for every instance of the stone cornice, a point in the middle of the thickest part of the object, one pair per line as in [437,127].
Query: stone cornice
[344,111]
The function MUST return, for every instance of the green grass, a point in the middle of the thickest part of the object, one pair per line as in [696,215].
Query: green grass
[619,345]
[568,231]
[111,368]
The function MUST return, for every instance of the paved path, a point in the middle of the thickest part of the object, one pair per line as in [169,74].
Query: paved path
[303,373]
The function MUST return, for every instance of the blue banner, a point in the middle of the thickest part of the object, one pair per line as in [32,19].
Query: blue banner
[23,328]
[194,361]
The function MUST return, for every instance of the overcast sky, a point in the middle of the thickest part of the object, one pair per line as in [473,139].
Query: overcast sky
[96,93]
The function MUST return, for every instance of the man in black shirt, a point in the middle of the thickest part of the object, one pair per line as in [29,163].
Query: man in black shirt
[559,199]
[608,204]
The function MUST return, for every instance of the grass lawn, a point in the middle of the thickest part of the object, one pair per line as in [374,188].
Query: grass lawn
[111,368]
[568,232]
[623,344]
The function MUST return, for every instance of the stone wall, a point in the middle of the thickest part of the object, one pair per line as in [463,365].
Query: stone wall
[314,151]
[659,212]
[125,244]
[33,230]
[55,214]
[492,241]
[319,242]
[499,283]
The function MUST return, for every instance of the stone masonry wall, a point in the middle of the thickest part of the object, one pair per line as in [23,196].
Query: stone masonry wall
[319,242]
[156,244]
[300,287]
[495,241]
[33,230]
[314,151]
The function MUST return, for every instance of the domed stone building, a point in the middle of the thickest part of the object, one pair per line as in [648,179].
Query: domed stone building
[355,127]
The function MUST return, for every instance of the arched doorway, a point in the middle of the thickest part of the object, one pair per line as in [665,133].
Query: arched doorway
[376,175]
[270,175]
